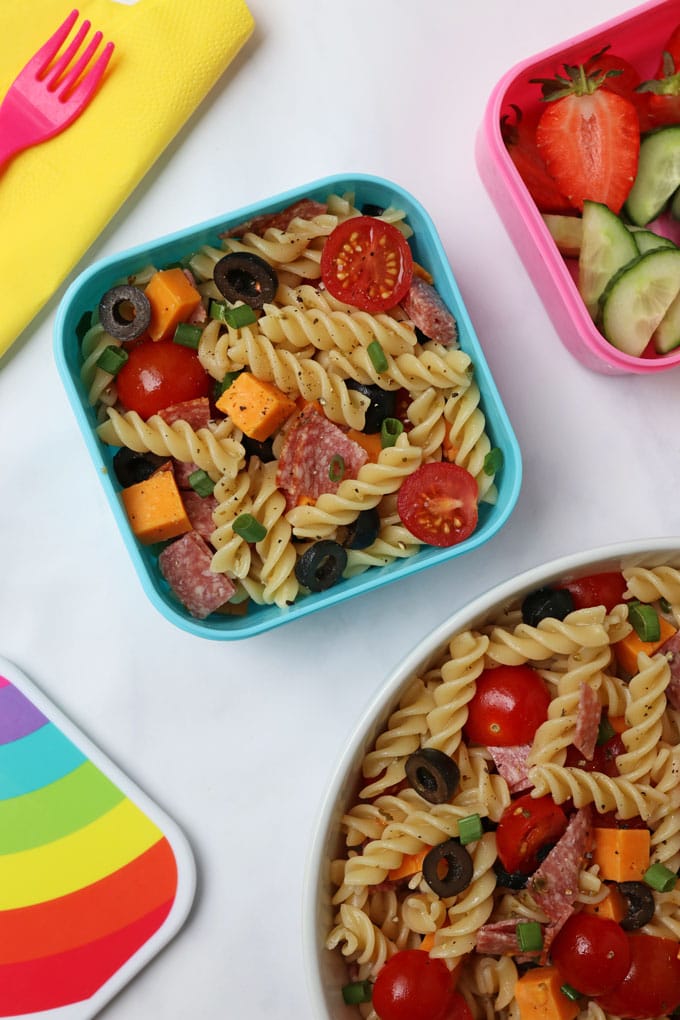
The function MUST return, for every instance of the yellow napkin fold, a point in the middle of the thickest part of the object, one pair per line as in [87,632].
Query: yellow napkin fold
[56,198]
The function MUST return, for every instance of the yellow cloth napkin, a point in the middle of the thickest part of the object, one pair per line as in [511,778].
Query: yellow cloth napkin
[56,198]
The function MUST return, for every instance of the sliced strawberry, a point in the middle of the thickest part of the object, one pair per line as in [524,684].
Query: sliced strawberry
[658,99]
[520,141]
[589,138]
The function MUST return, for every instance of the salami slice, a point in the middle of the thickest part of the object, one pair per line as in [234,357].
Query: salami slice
[195,412]
[183,470]
[554,885]
[511,763]
[316,456]
[305,209]
[587,721]
[427,311]
[200,512]
[500,939]
[671,649]
[185,565]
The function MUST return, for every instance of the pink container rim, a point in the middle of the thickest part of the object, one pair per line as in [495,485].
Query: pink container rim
[521,216]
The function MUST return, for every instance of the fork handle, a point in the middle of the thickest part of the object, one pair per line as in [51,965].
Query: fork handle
[17,131]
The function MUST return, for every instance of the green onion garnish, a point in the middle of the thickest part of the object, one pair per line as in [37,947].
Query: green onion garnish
[470,829]
[493,461]
[645,621]
[390,430]
[187,335]
[605,731]
[529,936]
[570,992]
[377,356]
[201,482]
[112,359]
[240,315]
[226,382]
[336,468]
[661,878]
[249,528]
[356,992]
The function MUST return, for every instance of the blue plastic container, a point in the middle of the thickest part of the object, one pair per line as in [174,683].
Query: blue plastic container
[83,296]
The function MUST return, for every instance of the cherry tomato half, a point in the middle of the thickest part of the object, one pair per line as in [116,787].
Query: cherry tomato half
[605,589]
[508,706]
[652,985]
[526,827]
[591,953]
[438,503]
[367,262]
[412,986]
[158,374]
[603,760]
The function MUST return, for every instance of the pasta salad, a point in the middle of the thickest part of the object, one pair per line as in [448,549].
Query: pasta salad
[271,397]
[513,843]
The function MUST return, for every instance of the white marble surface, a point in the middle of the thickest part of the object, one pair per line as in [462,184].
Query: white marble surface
[236,740]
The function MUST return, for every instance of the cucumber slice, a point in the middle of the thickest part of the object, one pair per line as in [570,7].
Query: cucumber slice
[647,240]
[666,336]
[658,175]
[606,246]
[636,300]
[566,232]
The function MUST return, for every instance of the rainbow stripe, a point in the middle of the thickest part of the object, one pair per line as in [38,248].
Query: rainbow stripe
[86,877]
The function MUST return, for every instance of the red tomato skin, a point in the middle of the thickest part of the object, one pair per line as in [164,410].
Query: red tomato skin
[412,986]
[591,145]
[526,826]
[651,988]
[158,374]
[367,263]
[605,589]
[458,1009]
[591,953]
[438,503]
[603,760]
[509,704]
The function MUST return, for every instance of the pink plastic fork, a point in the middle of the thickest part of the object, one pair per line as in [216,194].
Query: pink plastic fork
[48,94]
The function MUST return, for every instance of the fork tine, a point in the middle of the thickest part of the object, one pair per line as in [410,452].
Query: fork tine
[87,85]
[74,73]
[52,73]
[41,59]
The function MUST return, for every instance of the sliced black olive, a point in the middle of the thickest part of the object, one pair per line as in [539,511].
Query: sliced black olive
[432,774]
[639,904]
[363,531]
[243,276]
[370,209]
[448,868]
[383,404]
[509,879]
[131,467]
[538,605]
[321,566]
[125,312]
[263,449]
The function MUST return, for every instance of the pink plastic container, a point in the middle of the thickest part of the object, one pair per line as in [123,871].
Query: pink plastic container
[638,37]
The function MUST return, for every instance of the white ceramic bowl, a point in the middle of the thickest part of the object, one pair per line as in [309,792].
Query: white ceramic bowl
[326,970]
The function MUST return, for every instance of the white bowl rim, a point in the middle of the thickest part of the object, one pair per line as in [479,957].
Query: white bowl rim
[614,556]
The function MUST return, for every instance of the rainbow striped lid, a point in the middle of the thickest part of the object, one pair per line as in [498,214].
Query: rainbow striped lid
[94,878]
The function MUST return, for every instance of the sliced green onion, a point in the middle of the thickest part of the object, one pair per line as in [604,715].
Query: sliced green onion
[336,468]
[187,335]
[201,482]
[570,992]
[226,382]
[240,315]
[661,878]
[529,936]
[645,621]
[470,829]
[390,430]
[493,461]
[377,356]
[356,992]
[112,359]
[605,731]
[249,528]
